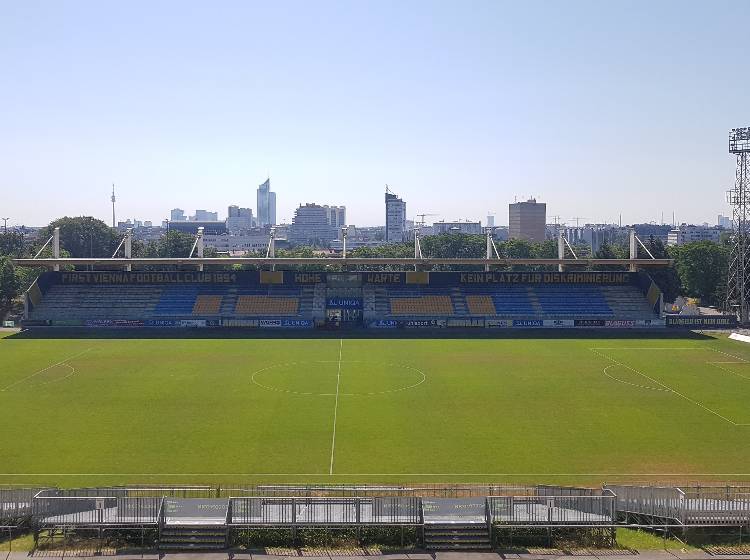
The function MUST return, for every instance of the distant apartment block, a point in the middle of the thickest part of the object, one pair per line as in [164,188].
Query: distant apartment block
[237,244]
[205,216]
[440,228]
[239,219]
[318,225]
[527,220]
[210,227]
[685,233]
[177,215]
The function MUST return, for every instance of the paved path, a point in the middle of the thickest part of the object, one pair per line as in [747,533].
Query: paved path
[248,555]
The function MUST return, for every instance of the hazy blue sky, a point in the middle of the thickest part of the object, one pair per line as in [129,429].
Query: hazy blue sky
[595,107]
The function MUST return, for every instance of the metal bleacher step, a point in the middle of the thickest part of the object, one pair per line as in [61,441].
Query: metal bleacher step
[193,537]
[474,536]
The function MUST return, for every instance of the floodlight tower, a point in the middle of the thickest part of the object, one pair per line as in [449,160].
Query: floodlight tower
[738,288]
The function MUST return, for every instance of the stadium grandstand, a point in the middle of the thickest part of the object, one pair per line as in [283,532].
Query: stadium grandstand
[346,300]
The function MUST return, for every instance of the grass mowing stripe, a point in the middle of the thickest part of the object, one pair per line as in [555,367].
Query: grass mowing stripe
[336,406]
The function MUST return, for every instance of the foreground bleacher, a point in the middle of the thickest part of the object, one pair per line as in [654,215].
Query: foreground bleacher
[366,299]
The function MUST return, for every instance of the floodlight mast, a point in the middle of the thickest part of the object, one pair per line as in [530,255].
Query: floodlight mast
[738,280]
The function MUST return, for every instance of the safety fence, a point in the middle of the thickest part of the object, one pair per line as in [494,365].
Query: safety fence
[95,510]
[15,504]
[344,505]
[551,510]
[685,506]
[251,511]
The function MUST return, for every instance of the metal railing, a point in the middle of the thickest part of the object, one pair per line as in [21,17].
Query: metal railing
[250,511]
[16,503]
[665,503]
[364,490]
[696,505]
[95,510]
[550,510]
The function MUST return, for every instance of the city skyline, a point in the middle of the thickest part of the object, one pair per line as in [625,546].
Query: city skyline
[620,109]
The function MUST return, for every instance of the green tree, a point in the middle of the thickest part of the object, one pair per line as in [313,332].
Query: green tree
[173,244]
[83,237]
[702,270]
[11,244]
[10,286]
[608,251]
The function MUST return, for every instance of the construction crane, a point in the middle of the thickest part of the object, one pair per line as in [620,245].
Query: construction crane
[577,218]
[421,222]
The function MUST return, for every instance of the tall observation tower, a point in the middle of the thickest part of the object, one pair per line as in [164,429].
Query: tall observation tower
[114,223]
[738,288]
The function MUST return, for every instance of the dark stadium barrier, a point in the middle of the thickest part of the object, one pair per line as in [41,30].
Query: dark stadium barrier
[701,321]
[337,279]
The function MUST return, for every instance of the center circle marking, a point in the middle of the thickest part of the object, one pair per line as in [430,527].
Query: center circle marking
[259,373]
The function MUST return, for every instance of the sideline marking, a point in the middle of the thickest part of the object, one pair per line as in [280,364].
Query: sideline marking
[63,362]
[668,388]
[336,407]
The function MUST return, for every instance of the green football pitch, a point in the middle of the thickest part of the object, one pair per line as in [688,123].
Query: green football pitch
[86,411]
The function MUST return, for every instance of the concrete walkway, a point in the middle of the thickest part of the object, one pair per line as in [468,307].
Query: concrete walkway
[249,555]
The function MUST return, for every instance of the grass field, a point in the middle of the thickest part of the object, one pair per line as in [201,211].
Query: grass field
[211,410]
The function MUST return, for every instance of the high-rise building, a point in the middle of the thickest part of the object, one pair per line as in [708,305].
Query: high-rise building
[239,219]
[337,218]
[266,204]
[177,215]
[724,221]
[395,218]
[490,220]
[312,224]
[527,220]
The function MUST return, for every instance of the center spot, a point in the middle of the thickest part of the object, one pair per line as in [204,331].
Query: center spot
[318,378]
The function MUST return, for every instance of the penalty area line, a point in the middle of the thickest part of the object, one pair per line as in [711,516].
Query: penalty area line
[60,363]
[669,389]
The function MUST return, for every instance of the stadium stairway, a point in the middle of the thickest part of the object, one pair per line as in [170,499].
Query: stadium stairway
[229,303]
[193,537]
[534,300]
[457,536]
[459,302]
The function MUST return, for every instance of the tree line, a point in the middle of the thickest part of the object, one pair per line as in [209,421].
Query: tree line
[700,268]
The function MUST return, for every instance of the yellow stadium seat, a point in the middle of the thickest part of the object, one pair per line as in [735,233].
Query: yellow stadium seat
[266,305]
[207,305]
[425,305]
[480,305]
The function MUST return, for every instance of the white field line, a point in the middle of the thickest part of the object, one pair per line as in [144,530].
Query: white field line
[60,363]
[718,365]
[336,407]
[645,348]
[670,389]
[730,355]
[612,377]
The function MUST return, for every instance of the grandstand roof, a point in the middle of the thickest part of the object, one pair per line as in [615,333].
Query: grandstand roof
[323,261]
